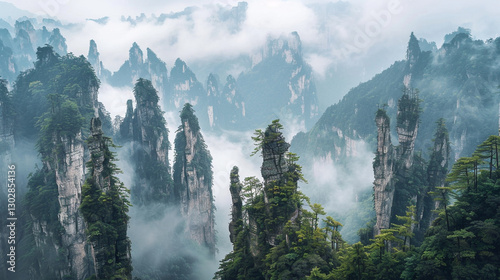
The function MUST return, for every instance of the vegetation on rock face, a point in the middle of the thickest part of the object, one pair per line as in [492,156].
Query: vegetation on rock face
[463,241]
[272,241]
[145,128]
[404,178]
[276,237]
[53,101]
[202,159]
[193,179]
[53,80]
[104,207]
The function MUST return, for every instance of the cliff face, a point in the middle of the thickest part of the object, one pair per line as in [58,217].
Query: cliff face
[157,70]
[137,66]
[69,174]
[394,166]
[193,181]
[407,126]
[237,203]
[58,42]
[184,88]
[403,178]
[436,172]
[273,154]
[62,232]
[8,68]
[272,224]
[104,207]
[146,130]
[93,58]
[213,100]
[55,191]
[383,168]
[226,107]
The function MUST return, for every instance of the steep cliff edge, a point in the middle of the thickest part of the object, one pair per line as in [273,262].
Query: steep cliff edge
[193,180]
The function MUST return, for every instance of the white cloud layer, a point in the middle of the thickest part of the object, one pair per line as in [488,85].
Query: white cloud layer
[335,34]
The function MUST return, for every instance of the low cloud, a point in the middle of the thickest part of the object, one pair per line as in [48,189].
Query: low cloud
[115,98]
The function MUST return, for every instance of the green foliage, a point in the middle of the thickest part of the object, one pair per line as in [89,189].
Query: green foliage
[104,207]
[272,134]
[464,241]
[187,114]
[277,238]
[409,109]
[43,89]
[41,198]
[202,160]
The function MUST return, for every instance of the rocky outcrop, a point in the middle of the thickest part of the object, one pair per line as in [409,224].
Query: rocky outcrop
[237,203]
[213,100]
[436,172]
[105,208]
[274,148]
[393,166]
[407,126]
[133,69]
[225,107]
[149,147]
[55,192]
[157,70]
[69,174]
[193,180]
[58,42]
[60,232]
[8,68]
[278,171]
[270,207]
[412,59]
[184,88]
[383,168]
[94,59]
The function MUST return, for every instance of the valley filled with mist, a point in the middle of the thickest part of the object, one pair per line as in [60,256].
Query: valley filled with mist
[249,140]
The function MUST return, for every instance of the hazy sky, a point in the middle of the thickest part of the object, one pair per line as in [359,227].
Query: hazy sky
[346,42]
